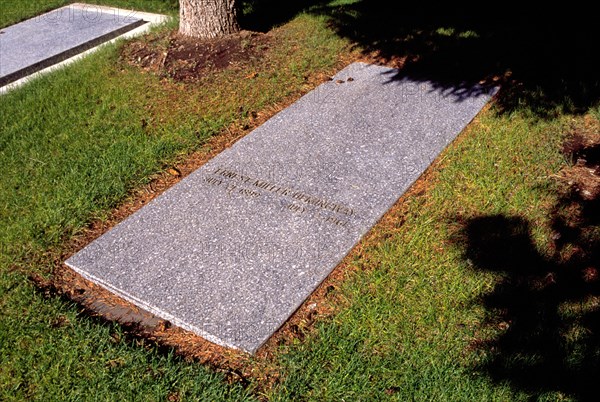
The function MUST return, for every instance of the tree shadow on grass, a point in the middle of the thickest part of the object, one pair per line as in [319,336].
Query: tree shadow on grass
[547,307]
[544,62]
[263,15]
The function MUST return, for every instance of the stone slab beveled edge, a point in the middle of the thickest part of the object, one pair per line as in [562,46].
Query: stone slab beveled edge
[151,20]
[158,312]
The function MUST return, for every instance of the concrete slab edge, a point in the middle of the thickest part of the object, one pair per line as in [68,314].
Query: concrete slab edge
[158,312]
[151,20]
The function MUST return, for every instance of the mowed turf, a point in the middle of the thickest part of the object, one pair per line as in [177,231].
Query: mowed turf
[409,320]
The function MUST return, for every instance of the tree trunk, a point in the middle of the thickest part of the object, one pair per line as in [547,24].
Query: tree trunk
[207,19]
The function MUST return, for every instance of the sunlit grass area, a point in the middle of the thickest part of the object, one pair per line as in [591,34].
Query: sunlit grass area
[412,319]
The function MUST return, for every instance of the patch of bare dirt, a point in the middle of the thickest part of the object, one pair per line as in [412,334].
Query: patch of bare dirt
[582,148]
[188,59]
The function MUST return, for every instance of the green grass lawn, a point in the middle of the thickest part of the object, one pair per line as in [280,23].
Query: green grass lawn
[17,10]
[413,319]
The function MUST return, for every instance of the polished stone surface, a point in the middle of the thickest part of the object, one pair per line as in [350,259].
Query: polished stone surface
[50,38]
[236,247]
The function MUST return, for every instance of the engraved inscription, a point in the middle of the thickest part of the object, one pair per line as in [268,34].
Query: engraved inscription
[293,200]
[296,208]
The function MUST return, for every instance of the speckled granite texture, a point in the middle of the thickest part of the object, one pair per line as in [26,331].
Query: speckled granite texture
[47,39]
[235,248]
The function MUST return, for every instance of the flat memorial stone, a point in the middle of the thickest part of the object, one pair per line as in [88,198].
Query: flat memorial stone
[37,43]
[234,249]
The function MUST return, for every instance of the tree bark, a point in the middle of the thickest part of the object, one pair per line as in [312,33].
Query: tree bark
[207,19]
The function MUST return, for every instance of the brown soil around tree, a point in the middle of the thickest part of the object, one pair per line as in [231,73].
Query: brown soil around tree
[188,59]
[582,148]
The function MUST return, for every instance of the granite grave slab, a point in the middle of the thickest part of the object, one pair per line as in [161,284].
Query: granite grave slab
[234,249]
[34,44]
